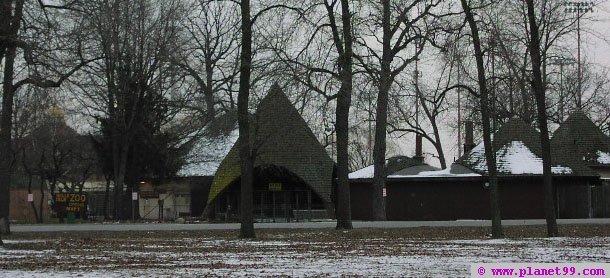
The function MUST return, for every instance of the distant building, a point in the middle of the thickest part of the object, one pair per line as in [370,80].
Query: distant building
[21,207]
[581,144]
[293,174]
[361,182]
[186,194]
[461,191]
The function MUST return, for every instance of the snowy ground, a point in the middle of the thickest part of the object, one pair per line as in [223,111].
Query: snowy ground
[302,253]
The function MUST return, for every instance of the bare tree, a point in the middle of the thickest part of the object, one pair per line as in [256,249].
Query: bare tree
[540,93]
[133,91]
[343,44]
[490,156]
[245,149]
[211,53]
[433,101]
[55,153]
[22,25]
[402,24]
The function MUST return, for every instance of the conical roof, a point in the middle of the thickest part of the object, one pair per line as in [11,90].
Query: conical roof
[518,152]
[281,138]
[516,129]
[579,141]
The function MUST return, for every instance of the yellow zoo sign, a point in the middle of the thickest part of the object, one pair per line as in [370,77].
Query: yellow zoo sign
[72,202]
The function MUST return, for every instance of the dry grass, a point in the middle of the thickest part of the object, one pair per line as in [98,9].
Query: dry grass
[211,251]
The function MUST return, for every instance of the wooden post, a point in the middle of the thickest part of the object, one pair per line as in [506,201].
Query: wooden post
[297,206]
[273,194]
[262,205]
[309,203]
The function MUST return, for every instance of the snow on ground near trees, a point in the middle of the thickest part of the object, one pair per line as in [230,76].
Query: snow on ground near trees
[285,256]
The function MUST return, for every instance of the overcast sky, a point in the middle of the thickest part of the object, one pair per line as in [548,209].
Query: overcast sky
[595,49]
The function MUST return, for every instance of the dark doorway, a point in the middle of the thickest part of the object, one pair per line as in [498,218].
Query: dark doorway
[279,195]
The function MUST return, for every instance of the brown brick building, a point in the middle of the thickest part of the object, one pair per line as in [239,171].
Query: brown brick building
[21,209]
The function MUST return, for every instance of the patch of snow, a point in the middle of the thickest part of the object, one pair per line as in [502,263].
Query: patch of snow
[513,158]
[488,241]
[366,257]
[207,154]
[603,157]
[9,241]
[438,174]
[364,173]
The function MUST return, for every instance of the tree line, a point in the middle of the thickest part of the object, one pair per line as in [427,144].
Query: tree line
[140,78]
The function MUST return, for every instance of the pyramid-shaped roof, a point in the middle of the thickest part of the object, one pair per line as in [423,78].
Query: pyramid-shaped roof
[281,138]
[579,141]
[518,153]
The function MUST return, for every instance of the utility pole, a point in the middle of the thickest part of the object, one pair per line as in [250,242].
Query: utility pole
[370,131]
[561,62]
[418,138]
[459,112]
[579,8]
[492,57]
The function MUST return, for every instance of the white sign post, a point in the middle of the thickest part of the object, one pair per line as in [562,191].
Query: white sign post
[385,192]
[30,197]
[134,197]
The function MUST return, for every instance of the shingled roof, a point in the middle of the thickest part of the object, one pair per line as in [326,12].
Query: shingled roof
[282,138]
[393,164]
[519,153]
[210,146]
[579,141]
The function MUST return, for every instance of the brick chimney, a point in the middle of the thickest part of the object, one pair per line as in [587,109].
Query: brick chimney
[419,157]
[469,136]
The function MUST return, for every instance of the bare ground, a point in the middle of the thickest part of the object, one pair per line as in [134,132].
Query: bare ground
[322,252]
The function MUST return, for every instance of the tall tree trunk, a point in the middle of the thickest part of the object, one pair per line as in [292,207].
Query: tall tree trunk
[439,149]
[120,150]
[209,85]
[437,136]
[41,203]
[30,192]
[490,156]
[539,92]
[52,185]
[28,172]
[245,149]
[381,120]
[344,99]
[106,197]
[10,28]
[32,204]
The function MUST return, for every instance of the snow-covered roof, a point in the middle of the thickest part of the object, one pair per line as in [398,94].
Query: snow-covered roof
[519,152]
[414,170]
[207,153]
[513,158]
[364,173]
[394,165]
[603,157]
[454,170]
